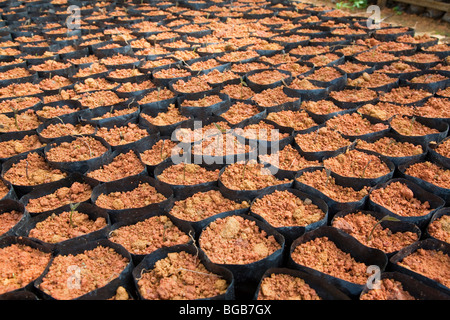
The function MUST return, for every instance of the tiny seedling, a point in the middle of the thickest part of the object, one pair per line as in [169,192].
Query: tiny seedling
[73,207]
[16,120]
[365,167]
[26,170]
[85,142]
[328,172]
[61,120]
[221,132]
[292,163]
[165,227]
[219,127]
[162,148]
[385,218]
[413,121]
[243,84]
[243,170]
[315,135]
[391,142]
[123,36]
[194,242]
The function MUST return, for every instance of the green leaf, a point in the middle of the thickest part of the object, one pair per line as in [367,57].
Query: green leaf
[74,206]
[219,127]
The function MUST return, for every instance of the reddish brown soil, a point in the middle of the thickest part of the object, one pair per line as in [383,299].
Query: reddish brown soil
[286,287]
[235,240]
[180,276]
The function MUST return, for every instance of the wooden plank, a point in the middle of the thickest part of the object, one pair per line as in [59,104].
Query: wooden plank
[431,4]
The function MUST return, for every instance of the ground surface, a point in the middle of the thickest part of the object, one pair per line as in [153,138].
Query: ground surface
[421,24]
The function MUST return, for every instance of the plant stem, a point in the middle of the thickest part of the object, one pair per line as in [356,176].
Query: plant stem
[164,232]
[385,218]
[73,207]
[193,242]
[243,170]
[293,161]
[316,134]
[16,121]
[413,120]
[61,120]
[162,148]
[364,170]
[328,171]
[87,144]
[219,127]
[242,87]
[388,145]
[26,169]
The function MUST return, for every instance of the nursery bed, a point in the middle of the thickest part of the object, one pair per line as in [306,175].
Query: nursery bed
[131,122]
